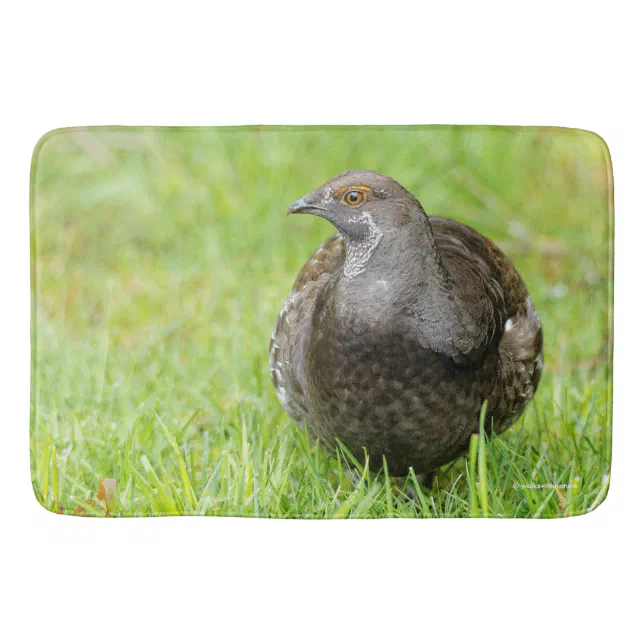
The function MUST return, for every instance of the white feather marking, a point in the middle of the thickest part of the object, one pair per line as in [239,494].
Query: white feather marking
[359,252]
[281,395]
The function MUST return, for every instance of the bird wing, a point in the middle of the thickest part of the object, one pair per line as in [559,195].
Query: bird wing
[474,261]
[291,337]
[518,336]
[461,246]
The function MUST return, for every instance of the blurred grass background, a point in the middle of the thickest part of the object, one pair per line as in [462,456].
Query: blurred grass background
[161,257]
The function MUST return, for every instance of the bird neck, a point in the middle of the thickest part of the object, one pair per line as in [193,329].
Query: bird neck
[360,250]
[405,284]
[403,258]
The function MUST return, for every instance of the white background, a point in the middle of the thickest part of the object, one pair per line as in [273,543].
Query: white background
[569,64]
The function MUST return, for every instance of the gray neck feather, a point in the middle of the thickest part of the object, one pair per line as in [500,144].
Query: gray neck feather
[359,251]
[407,279]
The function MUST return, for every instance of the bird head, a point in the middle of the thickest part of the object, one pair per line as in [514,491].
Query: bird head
[361,204]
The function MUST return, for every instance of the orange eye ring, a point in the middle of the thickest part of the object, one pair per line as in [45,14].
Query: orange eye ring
[353,198]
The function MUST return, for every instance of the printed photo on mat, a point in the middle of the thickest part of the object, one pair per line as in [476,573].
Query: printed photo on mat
[428,334]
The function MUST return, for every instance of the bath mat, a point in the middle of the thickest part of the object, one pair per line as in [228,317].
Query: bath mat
[428,334]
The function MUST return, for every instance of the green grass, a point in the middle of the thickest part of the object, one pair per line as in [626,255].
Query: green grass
[162,256]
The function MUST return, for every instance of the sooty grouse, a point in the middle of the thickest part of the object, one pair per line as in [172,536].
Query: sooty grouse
[399,327]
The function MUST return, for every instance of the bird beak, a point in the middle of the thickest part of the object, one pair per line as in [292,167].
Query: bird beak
[302,206]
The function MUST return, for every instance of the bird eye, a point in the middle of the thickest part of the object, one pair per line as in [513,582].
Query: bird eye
[353,198]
